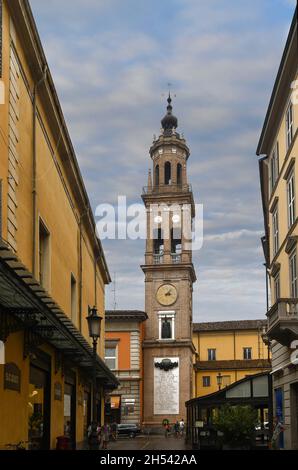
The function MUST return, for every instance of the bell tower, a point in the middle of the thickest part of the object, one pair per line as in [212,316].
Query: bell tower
[169,278]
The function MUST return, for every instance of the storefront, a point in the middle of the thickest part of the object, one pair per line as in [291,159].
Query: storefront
[254,391]
[46,381]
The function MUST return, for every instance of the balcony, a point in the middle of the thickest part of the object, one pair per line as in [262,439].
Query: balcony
[167,188]
[176,258]
[158,258]
[283,321]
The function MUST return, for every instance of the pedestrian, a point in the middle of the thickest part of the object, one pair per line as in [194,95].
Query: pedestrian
[181,427]
[105,433]
[278,429]
[167,430]
[177,428]
[114,429]
[93,437]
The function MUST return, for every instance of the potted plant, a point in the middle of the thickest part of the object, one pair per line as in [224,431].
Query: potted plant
[236,424]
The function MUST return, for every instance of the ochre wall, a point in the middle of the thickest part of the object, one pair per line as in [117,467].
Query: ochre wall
[123,348]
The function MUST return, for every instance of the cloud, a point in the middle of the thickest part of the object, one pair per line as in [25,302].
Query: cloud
[111,61]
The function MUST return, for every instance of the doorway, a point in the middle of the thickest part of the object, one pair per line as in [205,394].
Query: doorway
[294,414]
[39,404]
[70,408]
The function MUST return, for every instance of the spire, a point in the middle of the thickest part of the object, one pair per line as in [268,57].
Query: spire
[169,122]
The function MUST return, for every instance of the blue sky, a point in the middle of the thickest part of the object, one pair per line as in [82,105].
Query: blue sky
[111,62]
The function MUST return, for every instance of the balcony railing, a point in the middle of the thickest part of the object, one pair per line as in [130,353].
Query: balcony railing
[167,188]
[283,321]
[158,258]
[176,258]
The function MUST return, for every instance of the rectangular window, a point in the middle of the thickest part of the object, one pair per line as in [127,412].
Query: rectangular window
[0,208]
[206,381]
[1,61]
[166,325]
[275,231]
[276,284]
[211,354]
[111,357]
[247,353]
[291,199]
[289,125]
[274,165]
[44,256]
[293,274]
[226,380]
[73,299]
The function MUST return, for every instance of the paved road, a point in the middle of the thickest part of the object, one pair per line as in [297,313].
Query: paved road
[149,443]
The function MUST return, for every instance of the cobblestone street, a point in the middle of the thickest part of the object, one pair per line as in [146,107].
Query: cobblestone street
[149,443]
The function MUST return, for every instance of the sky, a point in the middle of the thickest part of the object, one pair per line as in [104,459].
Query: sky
[111,61]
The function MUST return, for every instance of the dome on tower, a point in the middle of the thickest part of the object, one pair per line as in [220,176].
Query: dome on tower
[170,121]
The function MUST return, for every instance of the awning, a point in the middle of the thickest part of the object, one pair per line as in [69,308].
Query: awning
[26,306]
[115,402]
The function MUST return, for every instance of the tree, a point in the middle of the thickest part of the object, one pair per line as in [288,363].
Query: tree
[237,424]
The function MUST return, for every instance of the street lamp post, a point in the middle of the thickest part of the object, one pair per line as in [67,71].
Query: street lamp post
[219,380]
[94,326]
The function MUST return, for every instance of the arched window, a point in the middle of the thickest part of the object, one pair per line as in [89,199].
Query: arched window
[158,242]
[168,172]
[176,246]
[157,175]
[179,173]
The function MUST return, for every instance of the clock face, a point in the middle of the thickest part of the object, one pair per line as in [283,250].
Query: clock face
[167,294]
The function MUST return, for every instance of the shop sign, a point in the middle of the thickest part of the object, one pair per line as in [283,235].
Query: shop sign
[58,391]
[12,377]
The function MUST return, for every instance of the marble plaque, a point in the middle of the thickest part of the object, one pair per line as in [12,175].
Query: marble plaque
[166,388]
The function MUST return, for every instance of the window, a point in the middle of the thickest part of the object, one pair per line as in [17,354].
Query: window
[247,353]
[293,274]
[158,242]
[226,380]
[275,231]
[291,199]
[179,174]
[289,125]
[111,357]
[211,354]
[2,353]
[1,8]
[274,165]
[44,256]
[206,381]
[276,286]
[73,299]
[166,325]
[168,173]
[0,208]
[157,175]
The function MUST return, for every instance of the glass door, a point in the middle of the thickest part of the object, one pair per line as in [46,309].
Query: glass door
[39,403]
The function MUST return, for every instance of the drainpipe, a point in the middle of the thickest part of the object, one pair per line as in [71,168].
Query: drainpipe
[34,189]
[81,267]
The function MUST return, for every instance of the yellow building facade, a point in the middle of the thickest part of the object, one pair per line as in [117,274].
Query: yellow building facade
[227,352]
[52,266]
[278,146]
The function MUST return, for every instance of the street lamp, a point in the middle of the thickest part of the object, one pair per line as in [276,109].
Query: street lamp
[94,326]
[219,380]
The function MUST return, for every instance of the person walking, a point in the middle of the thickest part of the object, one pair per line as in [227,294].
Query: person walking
[93,437]
[181,427]
[105,436]
[177,428]
[278,429]
[167,430]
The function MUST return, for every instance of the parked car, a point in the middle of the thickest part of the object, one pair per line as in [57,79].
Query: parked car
[130,430]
